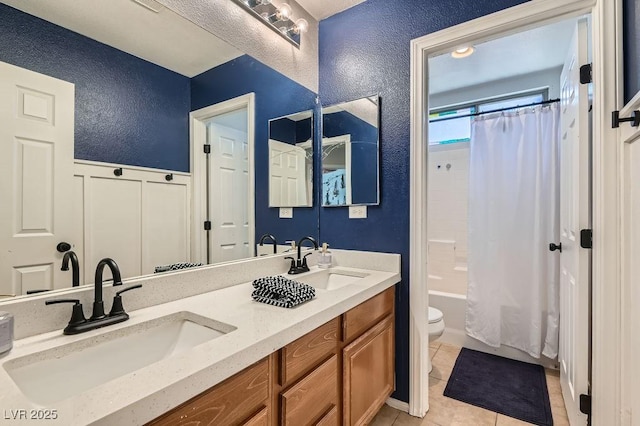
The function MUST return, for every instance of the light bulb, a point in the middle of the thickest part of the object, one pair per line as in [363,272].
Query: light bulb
[463,52]
[301,26]
[284,12]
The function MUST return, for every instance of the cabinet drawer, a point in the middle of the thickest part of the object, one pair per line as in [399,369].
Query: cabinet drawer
[229,403]
[329,419]
[260,419]
[368,379]
[299,357]
[306,401]
[366,314]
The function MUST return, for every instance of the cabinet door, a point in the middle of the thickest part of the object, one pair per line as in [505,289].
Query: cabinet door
[368,379]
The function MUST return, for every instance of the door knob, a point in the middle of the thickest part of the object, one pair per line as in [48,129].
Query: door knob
[63,247]
[554,247]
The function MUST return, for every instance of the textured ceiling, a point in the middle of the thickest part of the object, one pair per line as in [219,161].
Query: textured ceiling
[163,37]
[527,52]
[321,9]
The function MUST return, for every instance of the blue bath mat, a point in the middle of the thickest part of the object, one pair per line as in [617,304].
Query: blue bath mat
[513,388]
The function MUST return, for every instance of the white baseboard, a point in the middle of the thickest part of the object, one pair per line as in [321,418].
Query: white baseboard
[398,405]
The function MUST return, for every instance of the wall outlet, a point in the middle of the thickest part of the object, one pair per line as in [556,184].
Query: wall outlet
[286,212]
[357,212]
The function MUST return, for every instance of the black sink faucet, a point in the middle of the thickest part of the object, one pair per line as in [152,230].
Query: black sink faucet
[98,304]
[273,240]
[302,240]
[300,265]
[75,267]
[78,323]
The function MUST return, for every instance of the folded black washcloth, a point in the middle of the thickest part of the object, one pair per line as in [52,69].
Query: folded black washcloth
[176,267]
[281,291]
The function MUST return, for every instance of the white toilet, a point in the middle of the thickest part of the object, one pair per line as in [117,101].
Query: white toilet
[436,327]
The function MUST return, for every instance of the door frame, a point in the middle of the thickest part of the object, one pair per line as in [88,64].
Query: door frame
[607,77]
[346,140]
[198,138]
[630,288]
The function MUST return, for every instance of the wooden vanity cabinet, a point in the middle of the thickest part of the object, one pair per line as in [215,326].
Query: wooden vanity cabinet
[242,399]
[368,373]
[341,373]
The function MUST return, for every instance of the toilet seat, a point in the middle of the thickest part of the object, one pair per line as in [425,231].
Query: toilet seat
[435,315]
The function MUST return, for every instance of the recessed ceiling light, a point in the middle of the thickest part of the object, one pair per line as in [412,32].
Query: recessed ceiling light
[463,52]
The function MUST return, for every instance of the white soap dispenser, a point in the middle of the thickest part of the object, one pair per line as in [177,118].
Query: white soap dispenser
[324,261]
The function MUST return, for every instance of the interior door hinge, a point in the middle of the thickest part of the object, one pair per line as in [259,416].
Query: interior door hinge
[586,238]
[207,148]
[207,225]
[585,404]
[586,74]
[616,120]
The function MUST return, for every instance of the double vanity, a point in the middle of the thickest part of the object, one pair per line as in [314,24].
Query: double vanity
[198,348]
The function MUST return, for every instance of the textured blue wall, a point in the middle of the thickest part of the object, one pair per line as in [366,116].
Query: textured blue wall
[364,153]
[128,111]
[275,96]
[289,131]
[631,15]
[365,50]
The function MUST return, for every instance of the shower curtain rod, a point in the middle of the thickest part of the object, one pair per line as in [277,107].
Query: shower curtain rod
[550,101]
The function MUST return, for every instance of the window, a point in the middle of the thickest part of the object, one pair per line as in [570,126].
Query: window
[445,128]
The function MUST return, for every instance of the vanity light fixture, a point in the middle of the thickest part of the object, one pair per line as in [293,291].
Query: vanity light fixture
[278,18]
[463,52]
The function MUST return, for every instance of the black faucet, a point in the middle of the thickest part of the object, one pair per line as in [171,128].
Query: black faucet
[273,239]
[98,304]
[78,323]
[75,267]
[299,265]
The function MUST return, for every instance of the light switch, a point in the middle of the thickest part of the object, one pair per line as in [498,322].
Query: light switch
[357,212]
[286,212]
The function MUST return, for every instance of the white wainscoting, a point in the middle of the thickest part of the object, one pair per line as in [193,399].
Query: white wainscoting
[139,219]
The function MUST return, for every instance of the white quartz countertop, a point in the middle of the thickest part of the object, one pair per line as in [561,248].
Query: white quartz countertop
[147,393]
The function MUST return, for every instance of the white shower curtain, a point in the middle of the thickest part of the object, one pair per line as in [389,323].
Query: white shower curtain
[513,294]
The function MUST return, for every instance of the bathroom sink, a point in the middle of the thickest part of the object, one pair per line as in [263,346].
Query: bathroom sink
[332,278]
[53,375]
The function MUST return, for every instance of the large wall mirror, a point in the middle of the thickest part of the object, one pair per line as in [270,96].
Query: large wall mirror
[350,158]
[291,160]
[99,159]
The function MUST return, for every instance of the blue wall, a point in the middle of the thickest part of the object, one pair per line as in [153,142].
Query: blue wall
[128,110]
[289,131]
[275,96]
[364,153]
[365,50]
[631,13]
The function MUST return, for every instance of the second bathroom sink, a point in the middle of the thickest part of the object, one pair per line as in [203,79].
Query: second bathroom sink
[332,278]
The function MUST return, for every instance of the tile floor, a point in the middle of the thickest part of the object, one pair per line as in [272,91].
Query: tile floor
[445,411]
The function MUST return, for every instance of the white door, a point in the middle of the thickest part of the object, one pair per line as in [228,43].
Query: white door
[287,175]
[229,194]
[631,271]
[336,153]
[36,179]
[574,216]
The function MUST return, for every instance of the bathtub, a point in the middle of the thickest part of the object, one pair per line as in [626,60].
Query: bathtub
[453,307]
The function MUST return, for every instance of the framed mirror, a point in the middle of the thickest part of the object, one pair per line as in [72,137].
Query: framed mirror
[123,179]
[350,153]
[291,160]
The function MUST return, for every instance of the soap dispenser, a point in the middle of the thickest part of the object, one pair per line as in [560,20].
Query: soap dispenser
[324,260]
